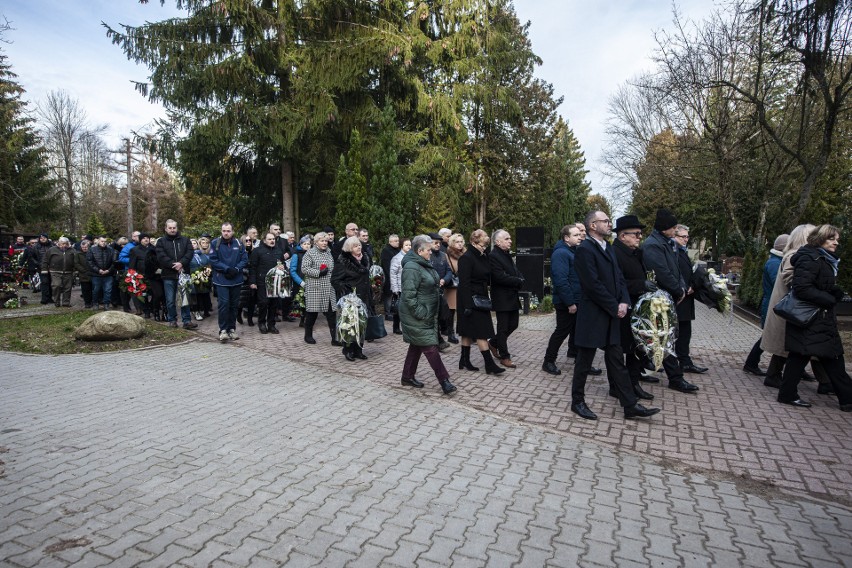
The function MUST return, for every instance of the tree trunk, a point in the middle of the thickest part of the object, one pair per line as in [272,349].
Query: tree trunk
[288,205]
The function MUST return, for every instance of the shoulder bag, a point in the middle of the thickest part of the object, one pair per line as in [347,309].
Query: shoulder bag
[796,311]
[482,303]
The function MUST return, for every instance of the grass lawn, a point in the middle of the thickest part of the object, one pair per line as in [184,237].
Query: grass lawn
[54,335]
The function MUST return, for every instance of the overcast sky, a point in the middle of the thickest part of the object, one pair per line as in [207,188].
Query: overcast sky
[589,48]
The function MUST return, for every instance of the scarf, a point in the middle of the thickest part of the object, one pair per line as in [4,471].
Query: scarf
[835,262]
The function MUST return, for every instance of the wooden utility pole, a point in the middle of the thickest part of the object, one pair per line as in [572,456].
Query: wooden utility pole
[129,191]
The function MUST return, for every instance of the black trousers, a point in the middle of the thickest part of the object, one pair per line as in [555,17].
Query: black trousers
[753,359]
[566,323]
[616,374]
[507,322]
[311,318]
[684,337]
[266,307]
[835,368]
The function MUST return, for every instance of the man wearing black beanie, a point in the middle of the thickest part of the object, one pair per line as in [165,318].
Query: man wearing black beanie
[660,255]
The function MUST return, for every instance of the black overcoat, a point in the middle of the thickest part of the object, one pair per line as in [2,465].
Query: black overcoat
[814,282]
[349,274]
[633,270]
[506,280]
[474,278]
[659,255]
[598,324]
[686,309]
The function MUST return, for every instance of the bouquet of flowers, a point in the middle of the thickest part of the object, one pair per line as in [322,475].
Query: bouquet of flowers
[184,289]
[134,284]
[377,280]
[277,282]
[297,308]
[351,319]
[201,278]
[654,325]
[18,268]
[712,290]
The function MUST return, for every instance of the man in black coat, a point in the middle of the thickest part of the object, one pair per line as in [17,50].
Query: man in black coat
[388,252]
[506,281]
[686,308]
[660,253]
[445,274]
[628,232]
[174,253]
[605,302]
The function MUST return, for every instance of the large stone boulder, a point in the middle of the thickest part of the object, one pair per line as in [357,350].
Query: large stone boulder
[110,326]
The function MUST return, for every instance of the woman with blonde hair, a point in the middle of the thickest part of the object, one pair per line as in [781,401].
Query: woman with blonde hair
[814,282]
[774,328]
[475,323]
[455,249]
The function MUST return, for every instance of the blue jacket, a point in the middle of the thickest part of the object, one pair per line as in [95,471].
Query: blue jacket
[124,255]
[225,255]
[770,274]
[295,261]
[566,282]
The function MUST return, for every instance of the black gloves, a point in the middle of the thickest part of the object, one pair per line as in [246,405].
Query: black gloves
[231,273]
[837,292]
[467,312]
[323,272]
[650,286]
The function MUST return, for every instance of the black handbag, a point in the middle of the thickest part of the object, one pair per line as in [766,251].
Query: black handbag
[394,304]
[375,327]
[482,303]
[796,311]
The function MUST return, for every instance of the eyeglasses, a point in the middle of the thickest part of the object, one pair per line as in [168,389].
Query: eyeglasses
[607,221]
[633,233]
[682,236]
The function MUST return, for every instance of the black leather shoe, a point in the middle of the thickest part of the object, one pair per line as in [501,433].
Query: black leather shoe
[273,329]
[642,393]
[846,408]
[807,377]
[349,356]
[551,368]
[798,402]
[360,356]
[694,369]
[683,386]
[310,340]
[397,332]
[595,371]
[825,389]
[757,371]
[649,378]
[448,387]
[583,411]
[261,327]
[335,343]
[571,355]
[772,382]
[453,338]
[639,411]
[412,382]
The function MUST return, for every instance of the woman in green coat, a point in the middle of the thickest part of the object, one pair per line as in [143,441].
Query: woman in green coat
[418,313]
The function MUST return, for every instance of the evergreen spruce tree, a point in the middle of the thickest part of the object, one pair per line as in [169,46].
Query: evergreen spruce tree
[350,187]
[26,193]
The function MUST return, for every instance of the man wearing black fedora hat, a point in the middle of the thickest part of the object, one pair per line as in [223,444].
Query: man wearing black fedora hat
[628,232]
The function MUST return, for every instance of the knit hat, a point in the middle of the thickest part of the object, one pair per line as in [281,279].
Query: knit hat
[781,241]
[665,220]
[45,235]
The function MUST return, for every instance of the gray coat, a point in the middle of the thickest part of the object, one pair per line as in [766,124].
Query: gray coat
[319,294]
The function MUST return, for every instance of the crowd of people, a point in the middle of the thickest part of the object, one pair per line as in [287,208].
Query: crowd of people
[438,290]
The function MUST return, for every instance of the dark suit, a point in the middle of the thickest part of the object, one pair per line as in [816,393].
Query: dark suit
[506,280]
[598,324]
[685,310]
[633,269]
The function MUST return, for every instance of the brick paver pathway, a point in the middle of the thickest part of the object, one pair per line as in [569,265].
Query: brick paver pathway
[733,426]
[209,455]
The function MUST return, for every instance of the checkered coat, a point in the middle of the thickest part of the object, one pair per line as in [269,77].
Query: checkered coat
[319,294]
